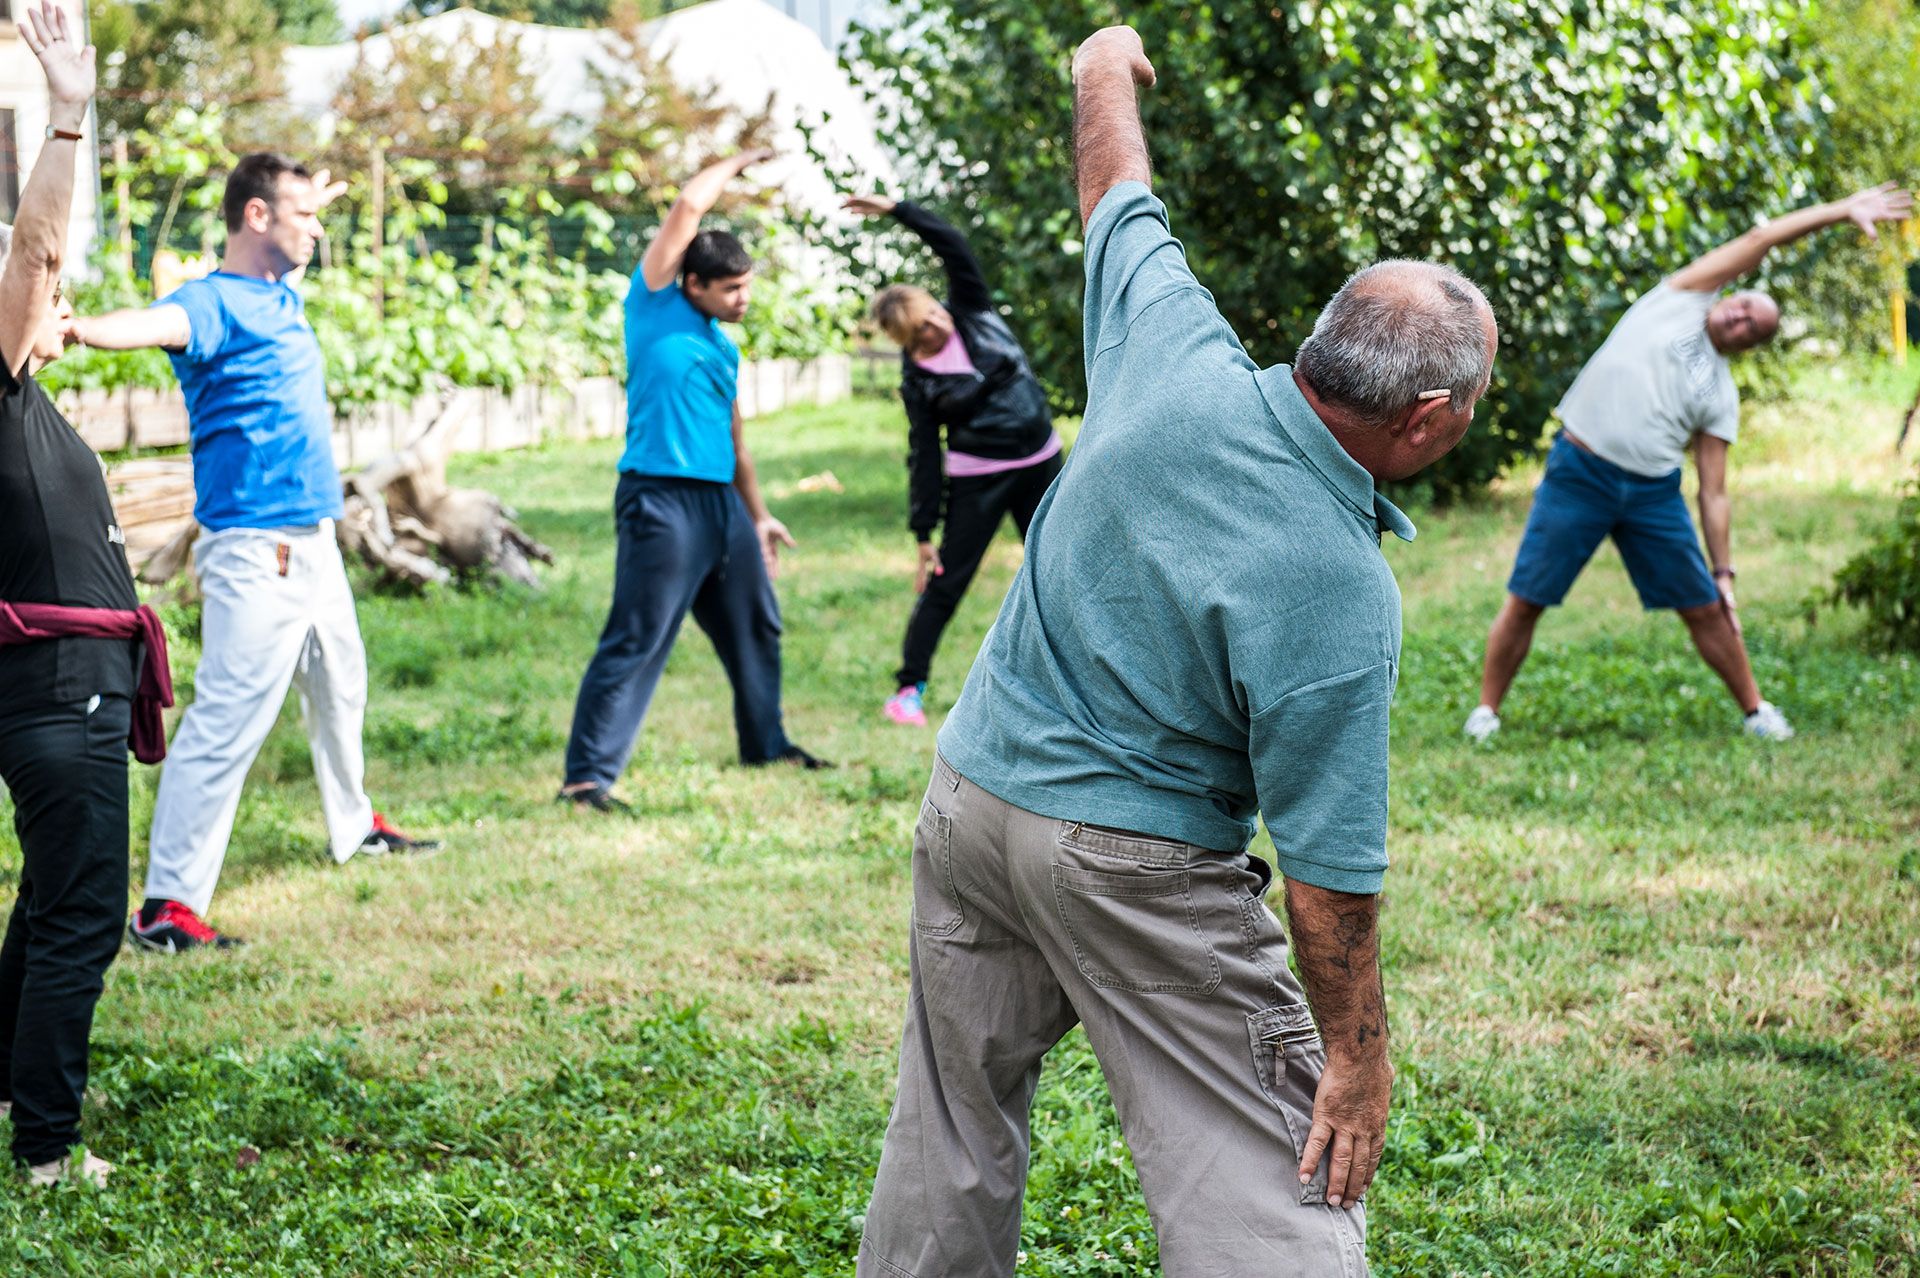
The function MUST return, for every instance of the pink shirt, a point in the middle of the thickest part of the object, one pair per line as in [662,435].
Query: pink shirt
[953,358]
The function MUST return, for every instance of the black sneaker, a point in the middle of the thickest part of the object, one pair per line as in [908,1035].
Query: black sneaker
[597,797]
[168,927]
[384,840]
[796,757]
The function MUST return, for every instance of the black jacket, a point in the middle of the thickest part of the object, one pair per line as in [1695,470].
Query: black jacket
[997,411]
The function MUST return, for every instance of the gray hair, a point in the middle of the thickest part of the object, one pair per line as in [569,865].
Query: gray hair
[1394,330]
[6,244]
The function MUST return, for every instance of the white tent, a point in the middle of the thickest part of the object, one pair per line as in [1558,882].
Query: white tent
[740,51]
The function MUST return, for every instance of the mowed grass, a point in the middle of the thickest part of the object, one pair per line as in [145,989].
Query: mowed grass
[1653,985]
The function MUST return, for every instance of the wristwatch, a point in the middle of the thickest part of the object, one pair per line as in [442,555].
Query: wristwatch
[1726,572]
[62,134]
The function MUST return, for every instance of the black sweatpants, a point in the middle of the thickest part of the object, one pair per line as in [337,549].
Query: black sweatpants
[66,768]
[975,506]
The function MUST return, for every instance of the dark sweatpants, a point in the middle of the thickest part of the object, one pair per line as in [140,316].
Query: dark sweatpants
[67,772]
[975,506]
[684,544]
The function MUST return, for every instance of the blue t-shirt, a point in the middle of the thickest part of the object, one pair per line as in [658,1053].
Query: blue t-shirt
[682,375]
[1204,625]
[256,391]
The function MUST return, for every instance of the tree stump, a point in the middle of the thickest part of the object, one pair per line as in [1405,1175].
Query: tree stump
[404,519]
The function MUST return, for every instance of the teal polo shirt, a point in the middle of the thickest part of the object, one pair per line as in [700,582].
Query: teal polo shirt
[1204,627]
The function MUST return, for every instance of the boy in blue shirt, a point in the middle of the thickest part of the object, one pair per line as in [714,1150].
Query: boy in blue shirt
[277,608]
[695,533]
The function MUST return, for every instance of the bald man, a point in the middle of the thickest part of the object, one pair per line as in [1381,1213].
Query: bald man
[1204,632]
[1660,385]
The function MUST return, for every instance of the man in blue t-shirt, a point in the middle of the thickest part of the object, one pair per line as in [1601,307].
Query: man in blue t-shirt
[277,609]
[695,533]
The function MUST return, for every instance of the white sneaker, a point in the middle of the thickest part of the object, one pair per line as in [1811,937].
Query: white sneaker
[81,1166]
[1767,723]
[1482,723]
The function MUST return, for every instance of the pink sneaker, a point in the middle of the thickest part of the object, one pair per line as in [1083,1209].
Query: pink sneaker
[904,706]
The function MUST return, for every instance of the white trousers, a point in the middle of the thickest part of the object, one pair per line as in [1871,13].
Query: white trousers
[277,611]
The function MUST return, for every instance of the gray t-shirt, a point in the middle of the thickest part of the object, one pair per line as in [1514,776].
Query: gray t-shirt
[1204,626]
[1653,385]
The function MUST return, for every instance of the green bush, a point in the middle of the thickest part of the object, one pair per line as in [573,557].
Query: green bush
[1564,155]
[1865,53]
[1884,579]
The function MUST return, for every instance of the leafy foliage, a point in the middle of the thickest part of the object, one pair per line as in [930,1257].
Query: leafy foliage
[1865,52]
[1565,155]
[1884,578]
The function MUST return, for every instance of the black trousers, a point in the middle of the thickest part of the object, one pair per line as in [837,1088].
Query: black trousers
[66,767]
[685,545]
[975,507]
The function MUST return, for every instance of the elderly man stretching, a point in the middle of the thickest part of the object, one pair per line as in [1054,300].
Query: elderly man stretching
[1658,386]
[1204,627]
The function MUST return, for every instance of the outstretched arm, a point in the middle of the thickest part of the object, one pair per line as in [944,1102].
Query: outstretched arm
[1722,266]
[697,198]
[133,329]
[1109,144]
[966,283]
[40,228]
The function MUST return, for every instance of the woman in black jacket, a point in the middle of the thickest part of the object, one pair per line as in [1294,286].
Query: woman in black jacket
[962,371]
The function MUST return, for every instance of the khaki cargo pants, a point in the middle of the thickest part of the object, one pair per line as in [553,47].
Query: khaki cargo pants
[1024,926]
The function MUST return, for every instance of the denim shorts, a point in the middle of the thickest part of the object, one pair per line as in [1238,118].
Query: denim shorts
[1585,498]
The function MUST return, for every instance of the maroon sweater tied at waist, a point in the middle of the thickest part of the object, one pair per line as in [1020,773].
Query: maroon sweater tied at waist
[32,623]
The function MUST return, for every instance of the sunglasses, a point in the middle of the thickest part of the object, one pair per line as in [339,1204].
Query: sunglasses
[59,291]
[1441,393]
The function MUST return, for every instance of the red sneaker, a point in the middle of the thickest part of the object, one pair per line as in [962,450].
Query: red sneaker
[384,840]
[174,927]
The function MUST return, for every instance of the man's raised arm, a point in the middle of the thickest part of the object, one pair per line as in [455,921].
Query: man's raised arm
[697,198]
[1109,145]
[1720,267]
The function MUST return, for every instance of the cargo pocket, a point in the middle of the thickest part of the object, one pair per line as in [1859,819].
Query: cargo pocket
[1135,931]
[936,902]
[1288,1059]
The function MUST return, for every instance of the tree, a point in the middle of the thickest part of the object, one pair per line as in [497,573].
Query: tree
[1867,53]
[1565,155]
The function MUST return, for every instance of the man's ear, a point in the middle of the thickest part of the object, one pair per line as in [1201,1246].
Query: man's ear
[1421,422]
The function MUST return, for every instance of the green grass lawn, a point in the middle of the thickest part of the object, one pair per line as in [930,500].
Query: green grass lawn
[1653,985]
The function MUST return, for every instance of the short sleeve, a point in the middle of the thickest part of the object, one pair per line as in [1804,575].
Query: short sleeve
[1133,266]
[1319,759]
[206,319]
[1722,417]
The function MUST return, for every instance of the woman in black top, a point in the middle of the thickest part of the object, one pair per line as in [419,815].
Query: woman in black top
[65,703]
[961,370]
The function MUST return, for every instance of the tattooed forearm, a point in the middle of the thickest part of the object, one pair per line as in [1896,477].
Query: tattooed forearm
[1336,940]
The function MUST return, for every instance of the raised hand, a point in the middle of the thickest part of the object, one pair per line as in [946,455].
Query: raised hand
[69,65]
[1115,44]
[1884,203]
[328,191]
[869,205]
